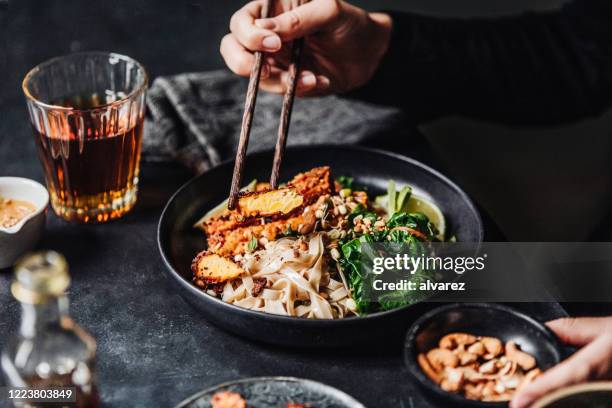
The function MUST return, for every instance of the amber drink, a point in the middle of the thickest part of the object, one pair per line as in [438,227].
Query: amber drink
[87,112]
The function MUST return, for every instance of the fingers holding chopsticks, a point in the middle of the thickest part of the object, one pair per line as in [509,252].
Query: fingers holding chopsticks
[241,61]
[273,75]
[250,34]
[288,23]
[304,20]
[308,84]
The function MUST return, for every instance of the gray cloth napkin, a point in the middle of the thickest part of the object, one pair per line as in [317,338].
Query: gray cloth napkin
[195,118]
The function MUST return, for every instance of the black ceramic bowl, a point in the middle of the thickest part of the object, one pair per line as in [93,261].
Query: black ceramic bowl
[482,319]
[179,242]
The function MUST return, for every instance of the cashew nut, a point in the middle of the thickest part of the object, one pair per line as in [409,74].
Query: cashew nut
[448,387]
[453,340]
[508,369]
[498,397]
[477,348]
[490,367]
[441,358]
[474,391]
[512,382]
[500,388]
[479,368]
[428,369]
[453,380]
[470,373]
[467,358]
[524,360]
[489,389]
[530,376]
[493,347]
[460,349]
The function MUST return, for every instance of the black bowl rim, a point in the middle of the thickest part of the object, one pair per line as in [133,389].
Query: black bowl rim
[225,384]
[416,372]
[290,319]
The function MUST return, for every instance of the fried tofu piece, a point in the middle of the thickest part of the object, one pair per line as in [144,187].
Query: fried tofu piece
[211,269]
[270,203]
[227,399]
[310,185]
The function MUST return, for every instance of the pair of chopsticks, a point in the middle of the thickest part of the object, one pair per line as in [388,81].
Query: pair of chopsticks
[249,108]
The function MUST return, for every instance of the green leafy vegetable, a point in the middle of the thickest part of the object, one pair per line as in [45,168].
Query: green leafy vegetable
[398,234]
[391,197]
[289,232]
[401,201]
[395,201]
[252,245]
[351,264]
[346,182]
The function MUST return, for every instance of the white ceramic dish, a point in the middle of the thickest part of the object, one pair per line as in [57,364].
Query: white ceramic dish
[24,235]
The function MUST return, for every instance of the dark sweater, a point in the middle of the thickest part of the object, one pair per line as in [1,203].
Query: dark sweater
[531,69]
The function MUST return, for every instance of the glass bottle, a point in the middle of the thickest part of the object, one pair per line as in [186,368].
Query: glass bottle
[49,350]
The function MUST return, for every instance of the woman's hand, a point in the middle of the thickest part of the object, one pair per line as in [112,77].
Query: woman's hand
[343,44]
[592,362]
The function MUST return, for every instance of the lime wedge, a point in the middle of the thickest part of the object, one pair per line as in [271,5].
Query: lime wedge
[419,204]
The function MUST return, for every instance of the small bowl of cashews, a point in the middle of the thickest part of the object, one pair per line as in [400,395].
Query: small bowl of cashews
[478,354]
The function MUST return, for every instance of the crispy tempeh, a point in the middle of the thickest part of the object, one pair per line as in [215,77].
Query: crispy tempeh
[227,399]
[270,203]
[234,241]
[213,268]
[313,183]
[310,185]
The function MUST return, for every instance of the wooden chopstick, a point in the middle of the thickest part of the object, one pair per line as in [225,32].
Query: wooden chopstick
[288,98]
[247,118]
[249,107]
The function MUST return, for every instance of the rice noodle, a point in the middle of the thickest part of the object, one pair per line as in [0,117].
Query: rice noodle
[298,281]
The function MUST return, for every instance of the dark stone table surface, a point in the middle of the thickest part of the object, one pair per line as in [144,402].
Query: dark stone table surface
[153,349]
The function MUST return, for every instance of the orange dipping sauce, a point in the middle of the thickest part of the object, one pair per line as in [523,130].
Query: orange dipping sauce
[12,211]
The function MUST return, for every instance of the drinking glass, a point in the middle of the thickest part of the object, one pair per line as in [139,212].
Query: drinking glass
[87,112]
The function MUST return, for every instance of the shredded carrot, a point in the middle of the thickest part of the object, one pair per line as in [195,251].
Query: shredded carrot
[414,232]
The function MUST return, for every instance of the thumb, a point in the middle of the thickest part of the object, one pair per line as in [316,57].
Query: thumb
[307,19]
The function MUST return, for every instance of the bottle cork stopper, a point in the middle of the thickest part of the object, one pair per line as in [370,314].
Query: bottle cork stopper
[40,276]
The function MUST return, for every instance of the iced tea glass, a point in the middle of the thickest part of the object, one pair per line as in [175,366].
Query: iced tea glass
[87,112]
